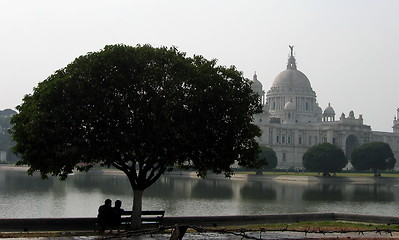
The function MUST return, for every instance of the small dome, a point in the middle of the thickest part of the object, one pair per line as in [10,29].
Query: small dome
[290,106]
[256,85]
[329,111]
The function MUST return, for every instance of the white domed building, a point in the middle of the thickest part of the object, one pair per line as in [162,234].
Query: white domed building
[292,121]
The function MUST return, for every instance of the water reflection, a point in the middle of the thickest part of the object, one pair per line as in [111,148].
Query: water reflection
[171,188]
[258,190]
[104,183]
[212,188]
[81,194]
[19,181]
[324,192]
[373,192]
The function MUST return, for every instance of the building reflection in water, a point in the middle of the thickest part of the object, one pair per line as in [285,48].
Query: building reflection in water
[81,194]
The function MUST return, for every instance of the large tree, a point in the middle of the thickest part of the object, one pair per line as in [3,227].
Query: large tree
[373,156]
[142,110]
[325,157]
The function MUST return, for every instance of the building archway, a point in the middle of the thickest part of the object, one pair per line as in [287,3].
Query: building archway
[351,143]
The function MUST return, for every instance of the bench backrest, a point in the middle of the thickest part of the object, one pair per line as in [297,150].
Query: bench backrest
[147,217]
[145,213]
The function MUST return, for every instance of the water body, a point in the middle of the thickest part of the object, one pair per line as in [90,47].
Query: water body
[23,196]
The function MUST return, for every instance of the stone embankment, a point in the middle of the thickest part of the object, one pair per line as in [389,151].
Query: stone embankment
[88,224]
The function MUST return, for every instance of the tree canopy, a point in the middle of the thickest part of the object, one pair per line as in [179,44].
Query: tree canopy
[373,156]
[142,110]
[325,157]
[266,159]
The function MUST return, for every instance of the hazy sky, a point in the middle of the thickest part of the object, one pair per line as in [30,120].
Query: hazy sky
[347,48]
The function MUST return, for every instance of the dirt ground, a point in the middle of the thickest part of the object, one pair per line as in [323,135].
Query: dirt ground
[325,233]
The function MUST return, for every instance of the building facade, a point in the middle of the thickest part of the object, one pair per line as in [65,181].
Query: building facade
[292,121]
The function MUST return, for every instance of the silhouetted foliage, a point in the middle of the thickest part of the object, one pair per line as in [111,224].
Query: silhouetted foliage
[325,157]
[373,156]
[141,110]
[266,159]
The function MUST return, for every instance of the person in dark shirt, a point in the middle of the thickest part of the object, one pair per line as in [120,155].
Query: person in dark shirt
[105,215]
[117,213]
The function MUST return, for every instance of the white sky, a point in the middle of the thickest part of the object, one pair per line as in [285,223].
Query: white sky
[347,48]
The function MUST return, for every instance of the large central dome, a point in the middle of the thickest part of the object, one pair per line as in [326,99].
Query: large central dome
[291,78]
[292,87]
[291,82]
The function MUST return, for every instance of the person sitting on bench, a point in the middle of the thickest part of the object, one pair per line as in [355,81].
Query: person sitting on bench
[117,212]
[104,216]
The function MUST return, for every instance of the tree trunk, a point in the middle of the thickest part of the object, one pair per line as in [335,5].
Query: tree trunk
[178,232]
[137,207]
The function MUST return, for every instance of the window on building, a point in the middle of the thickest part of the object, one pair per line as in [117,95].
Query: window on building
[310,140]
[284,157]
[334,141]
[277,139]
[289,139]
[325,140]
[283,139]
[300,140]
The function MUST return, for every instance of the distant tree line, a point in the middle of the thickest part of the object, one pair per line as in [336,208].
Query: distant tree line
[6,142]
[327,158]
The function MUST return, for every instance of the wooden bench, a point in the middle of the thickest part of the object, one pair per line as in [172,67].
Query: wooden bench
[148,218]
